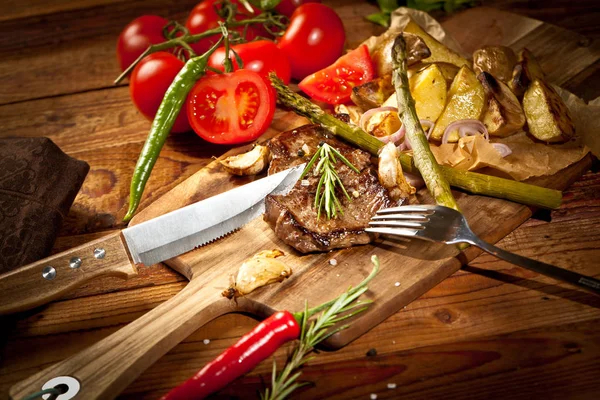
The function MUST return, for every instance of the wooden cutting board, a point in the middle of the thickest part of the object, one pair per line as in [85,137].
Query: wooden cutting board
[408,268]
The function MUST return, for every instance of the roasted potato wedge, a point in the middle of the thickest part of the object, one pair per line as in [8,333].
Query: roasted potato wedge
[548,118]
[499,61]
[525,71]
[381,54]
[439,52]
[384,123]
[448,70]
[465,101]
[373,93]
[503,115]
[428,88]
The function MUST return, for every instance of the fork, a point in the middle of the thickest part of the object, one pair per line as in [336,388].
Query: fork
[443,224]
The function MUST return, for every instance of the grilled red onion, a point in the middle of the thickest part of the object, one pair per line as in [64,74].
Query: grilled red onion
[367,116]
[466,127]
[394,137]
[503,149]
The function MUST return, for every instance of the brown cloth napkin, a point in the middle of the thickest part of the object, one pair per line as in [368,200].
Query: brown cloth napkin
[38,183]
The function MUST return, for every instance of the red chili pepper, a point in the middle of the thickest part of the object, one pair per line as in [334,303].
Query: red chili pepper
[240,358]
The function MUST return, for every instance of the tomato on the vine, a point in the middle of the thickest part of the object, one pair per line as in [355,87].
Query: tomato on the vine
[313,40]
[204,17]
[231,108]
[334,84]
[137,36]
[260,56]
[287,7]
[149,82]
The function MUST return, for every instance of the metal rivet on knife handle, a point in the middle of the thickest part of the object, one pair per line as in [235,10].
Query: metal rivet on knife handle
[99,253]
[75,262]
[49,273]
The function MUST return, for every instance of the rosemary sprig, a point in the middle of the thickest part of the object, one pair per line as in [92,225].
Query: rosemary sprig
[325,197]
[314,332]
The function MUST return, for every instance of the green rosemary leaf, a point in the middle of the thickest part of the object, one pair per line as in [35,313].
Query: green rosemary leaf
[345,160]
[325,196]
[315,331]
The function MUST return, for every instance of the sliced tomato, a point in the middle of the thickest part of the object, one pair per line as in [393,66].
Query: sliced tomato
[231,108]
[333,84]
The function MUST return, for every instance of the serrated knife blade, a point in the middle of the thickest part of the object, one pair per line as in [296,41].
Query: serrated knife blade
[182,230]
[150,242]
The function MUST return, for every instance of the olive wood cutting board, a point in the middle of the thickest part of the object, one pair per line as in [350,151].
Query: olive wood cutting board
[408,267]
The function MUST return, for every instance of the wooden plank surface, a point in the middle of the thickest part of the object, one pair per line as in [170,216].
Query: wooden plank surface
[478,311]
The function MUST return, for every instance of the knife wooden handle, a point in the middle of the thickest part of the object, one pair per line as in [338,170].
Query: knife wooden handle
[49,279]
[105,369]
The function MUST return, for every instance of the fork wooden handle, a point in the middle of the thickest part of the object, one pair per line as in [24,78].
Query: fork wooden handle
[561,274]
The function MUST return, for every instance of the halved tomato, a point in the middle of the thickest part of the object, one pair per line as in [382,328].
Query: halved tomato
[333,85]
[231,108]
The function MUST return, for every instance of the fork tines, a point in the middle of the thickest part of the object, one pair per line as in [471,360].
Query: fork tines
[402,221]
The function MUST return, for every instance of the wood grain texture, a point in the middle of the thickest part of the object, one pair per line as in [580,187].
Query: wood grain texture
[107,367]
[475,309]
[31,285]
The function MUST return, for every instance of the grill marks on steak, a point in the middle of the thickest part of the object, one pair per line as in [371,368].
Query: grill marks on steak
[293,217]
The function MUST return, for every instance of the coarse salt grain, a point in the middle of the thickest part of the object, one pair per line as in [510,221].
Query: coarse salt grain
[397,284]
[373,396]
[206,341]
[391,386]
[333,261]
[355,194]
[305,148]
[304,182]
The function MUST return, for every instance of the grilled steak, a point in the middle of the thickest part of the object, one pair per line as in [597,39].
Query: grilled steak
[293,217]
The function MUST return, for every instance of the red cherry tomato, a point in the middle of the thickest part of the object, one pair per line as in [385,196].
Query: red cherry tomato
[204,17]
[287,7]
[313,40]
[334,84]
[137,36]
[260,56]
[231,108]
[150,80]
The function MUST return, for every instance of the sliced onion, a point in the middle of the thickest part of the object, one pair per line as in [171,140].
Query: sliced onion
[503,149]
[394,137]
[406,144]
[466,127]
[367,116]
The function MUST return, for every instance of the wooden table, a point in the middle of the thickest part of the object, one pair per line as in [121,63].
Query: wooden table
[492,330]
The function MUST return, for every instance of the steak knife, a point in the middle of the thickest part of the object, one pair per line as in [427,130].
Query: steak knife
[147,243]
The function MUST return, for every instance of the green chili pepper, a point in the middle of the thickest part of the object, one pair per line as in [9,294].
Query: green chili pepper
[165,117]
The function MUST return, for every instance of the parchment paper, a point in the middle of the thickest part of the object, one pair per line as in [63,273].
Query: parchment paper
[529,158]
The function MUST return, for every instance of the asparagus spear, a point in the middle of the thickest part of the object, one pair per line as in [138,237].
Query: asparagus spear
[470,181]
[423,157]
